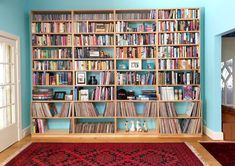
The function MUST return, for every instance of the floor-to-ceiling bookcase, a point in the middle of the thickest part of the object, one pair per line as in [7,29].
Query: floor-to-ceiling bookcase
[101,71]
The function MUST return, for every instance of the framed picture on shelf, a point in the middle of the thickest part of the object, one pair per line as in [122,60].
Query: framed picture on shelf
[59,96]
[135,64]
[69,97]
[80,78]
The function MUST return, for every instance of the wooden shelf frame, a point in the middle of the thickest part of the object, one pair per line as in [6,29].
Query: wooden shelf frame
[156,86]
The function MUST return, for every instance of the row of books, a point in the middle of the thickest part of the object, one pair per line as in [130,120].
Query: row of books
[178,64]
[42,94]
[59,53]
[94,65]
[106,78]
[147,94]
[94,40]
[58,78]
[136,52]
[122,26]
[169,110]
[179,13]
[134,78]
[39,125]
[92,16]
[51,40]
[184,78]
[178,38]
[135,15]
[95,52]
[49,110]
[174,126]
[150,109]
[186,25]
[95,127]
[51,17]
[99,93]
[102,93]
[178,51]
[93,27]
[126,109]
[179,93]
[52,65]
[55,27]
[135,39]
[89,110]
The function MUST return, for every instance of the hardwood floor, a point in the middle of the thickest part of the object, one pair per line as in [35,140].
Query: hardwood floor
[193,141]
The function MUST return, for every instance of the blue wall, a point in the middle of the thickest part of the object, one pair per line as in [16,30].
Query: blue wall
[218,19]
[12,21]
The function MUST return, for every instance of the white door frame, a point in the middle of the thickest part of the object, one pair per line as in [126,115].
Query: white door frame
[18,78]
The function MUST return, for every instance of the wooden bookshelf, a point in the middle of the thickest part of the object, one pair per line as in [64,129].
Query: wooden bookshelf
[153,54]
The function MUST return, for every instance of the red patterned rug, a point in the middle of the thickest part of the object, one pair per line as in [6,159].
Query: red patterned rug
[106,154]
[222,152]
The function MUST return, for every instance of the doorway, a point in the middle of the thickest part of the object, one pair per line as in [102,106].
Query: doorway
[228,85]
[10,111]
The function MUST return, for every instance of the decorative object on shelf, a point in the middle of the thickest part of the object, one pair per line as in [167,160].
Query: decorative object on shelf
[180,94]
[176,94]
[135,64]
[149,65]
[92,80]
[94,54]
[145,127]
[121,94]
[69,97]
[131,95]
[138,126]
[126,126]
[80,78]
[59,96]
[122,66]
[132,126]
[84,94]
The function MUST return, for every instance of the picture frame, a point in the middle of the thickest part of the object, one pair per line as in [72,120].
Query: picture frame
[59,95]
[80,78]
[135,64]
[68,97]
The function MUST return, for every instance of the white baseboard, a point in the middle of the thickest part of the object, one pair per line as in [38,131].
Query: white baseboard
[213,135]
[25,132]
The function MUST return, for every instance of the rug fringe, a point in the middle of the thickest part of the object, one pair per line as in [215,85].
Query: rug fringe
[197,154]
[15,154]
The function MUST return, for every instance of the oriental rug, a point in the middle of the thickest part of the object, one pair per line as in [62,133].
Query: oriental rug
[106,154]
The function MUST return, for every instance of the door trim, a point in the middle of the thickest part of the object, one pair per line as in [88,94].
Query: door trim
[18,79]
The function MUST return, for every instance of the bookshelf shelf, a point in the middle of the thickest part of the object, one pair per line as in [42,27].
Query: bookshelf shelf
[58,86]
[52,59]
[53,46]
[94,101]
[135,45]
[135,117]
[151,61]
[99,117]
[151,132]
[51,117]
[94,59]
[98,46]
[58,33]
[181,101]
[51,101]
[178,31]
[135,32]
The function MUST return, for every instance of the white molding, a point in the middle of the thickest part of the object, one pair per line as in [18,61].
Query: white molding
[213,134]
[25,132]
